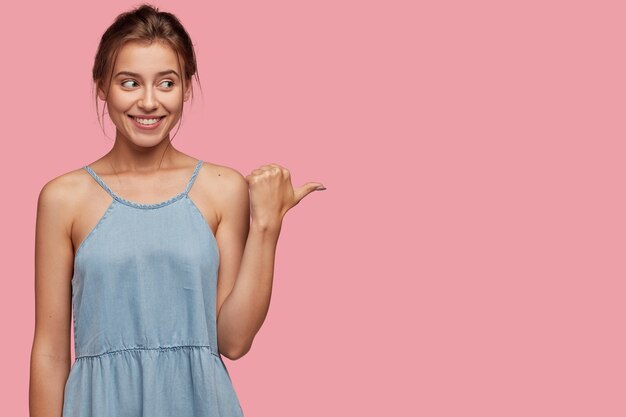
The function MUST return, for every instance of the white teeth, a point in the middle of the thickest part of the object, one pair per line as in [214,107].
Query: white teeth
[146,121]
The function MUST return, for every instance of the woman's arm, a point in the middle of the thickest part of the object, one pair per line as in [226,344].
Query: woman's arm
[50,360]
[265,195]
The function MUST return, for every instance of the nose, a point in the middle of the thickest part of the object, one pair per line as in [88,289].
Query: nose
[148,101]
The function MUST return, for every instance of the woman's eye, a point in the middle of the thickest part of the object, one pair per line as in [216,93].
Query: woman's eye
[132,81]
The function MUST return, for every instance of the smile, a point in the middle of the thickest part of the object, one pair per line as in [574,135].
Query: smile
[146,123]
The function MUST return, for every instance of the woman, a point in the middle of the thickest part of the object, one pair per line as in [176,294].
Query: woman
[151,246]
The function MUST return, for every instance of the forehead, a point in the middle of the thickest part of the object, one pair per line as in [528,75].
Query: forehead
[146,59]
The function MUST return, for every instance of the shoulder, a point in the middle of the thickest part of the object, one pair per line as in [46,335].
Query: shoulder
[223,185]
[59,197]
[61,190]
[224,174]
[223,179]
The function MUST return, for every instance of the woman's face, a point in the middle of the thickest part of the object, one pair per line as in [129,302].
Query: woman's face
[146,85]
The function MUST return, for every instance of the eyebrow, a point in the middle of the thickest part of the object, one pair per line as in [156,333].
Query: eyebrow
[134,74]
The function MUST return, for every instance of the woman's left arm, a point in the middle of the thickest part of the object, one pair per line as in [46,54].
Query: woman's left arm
[243,311]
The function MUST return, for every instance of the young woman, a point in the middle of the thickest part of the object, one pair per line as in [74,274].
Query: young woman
[166,259]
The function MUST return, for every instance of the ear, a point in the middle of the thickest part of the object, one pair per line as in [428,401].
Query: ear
[187,91]
[101,94]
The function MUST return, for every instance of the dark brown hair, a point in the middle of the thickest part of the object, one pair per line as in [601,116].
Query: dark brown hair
[144,24]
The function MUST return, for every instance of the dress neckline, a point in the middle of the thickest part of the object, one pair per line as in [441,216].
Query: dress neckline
[145,205]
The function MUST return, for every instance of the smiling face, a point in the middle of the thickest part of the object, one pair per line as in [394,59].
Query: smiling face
[145,96]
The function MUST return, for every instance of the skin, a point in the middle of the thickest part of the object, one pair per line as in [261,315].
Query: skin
[244,213]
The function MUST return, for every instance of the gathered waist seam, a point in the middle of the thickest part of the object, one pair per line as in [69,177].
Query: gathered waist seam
[113,352]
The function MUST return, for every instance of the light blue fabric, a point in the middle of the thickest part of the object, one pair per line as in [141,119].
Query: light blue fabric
[144,299]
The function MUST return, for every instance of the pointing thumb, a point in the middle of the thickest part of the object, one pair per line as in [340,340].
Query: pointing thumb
[307,188]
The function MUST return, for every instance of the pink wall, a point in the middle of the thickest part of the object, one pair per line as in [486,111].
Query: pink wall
[467,257]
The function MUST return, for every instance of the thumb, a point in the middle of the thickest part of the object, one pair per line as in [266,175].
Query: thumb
[306,189]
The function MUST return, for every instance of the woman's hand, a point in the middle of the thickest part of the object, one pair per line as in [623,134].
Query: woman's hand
[272,195]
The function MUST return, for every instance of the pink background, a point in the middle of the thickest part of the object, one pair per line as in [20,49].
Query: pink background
[467,258]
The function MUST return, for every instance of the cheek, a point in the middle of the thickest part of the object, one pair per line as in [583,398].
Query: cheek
[173,100]
[118,103]
[172,105]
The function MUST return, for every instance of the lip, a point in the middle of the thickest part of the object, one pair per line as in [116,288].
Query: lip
[146,127]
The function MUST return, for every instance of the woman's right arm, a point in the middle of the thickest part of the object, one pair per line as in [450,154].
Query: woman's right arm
[50,360]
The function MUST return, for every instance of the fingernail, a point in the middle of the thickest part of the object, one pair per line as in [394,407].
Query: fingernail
[320,188]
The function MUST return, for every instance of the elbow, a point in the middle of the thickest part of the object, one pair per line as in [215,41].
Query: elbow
[236,353]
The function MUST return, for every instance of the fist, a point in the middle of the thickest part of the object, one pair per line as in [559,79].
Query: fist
[272,195]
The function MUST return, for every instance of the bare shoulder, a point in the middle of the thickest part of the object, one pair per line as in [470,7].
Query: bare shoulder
[226,181]
[223,185]
[60,196]
[221,175]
